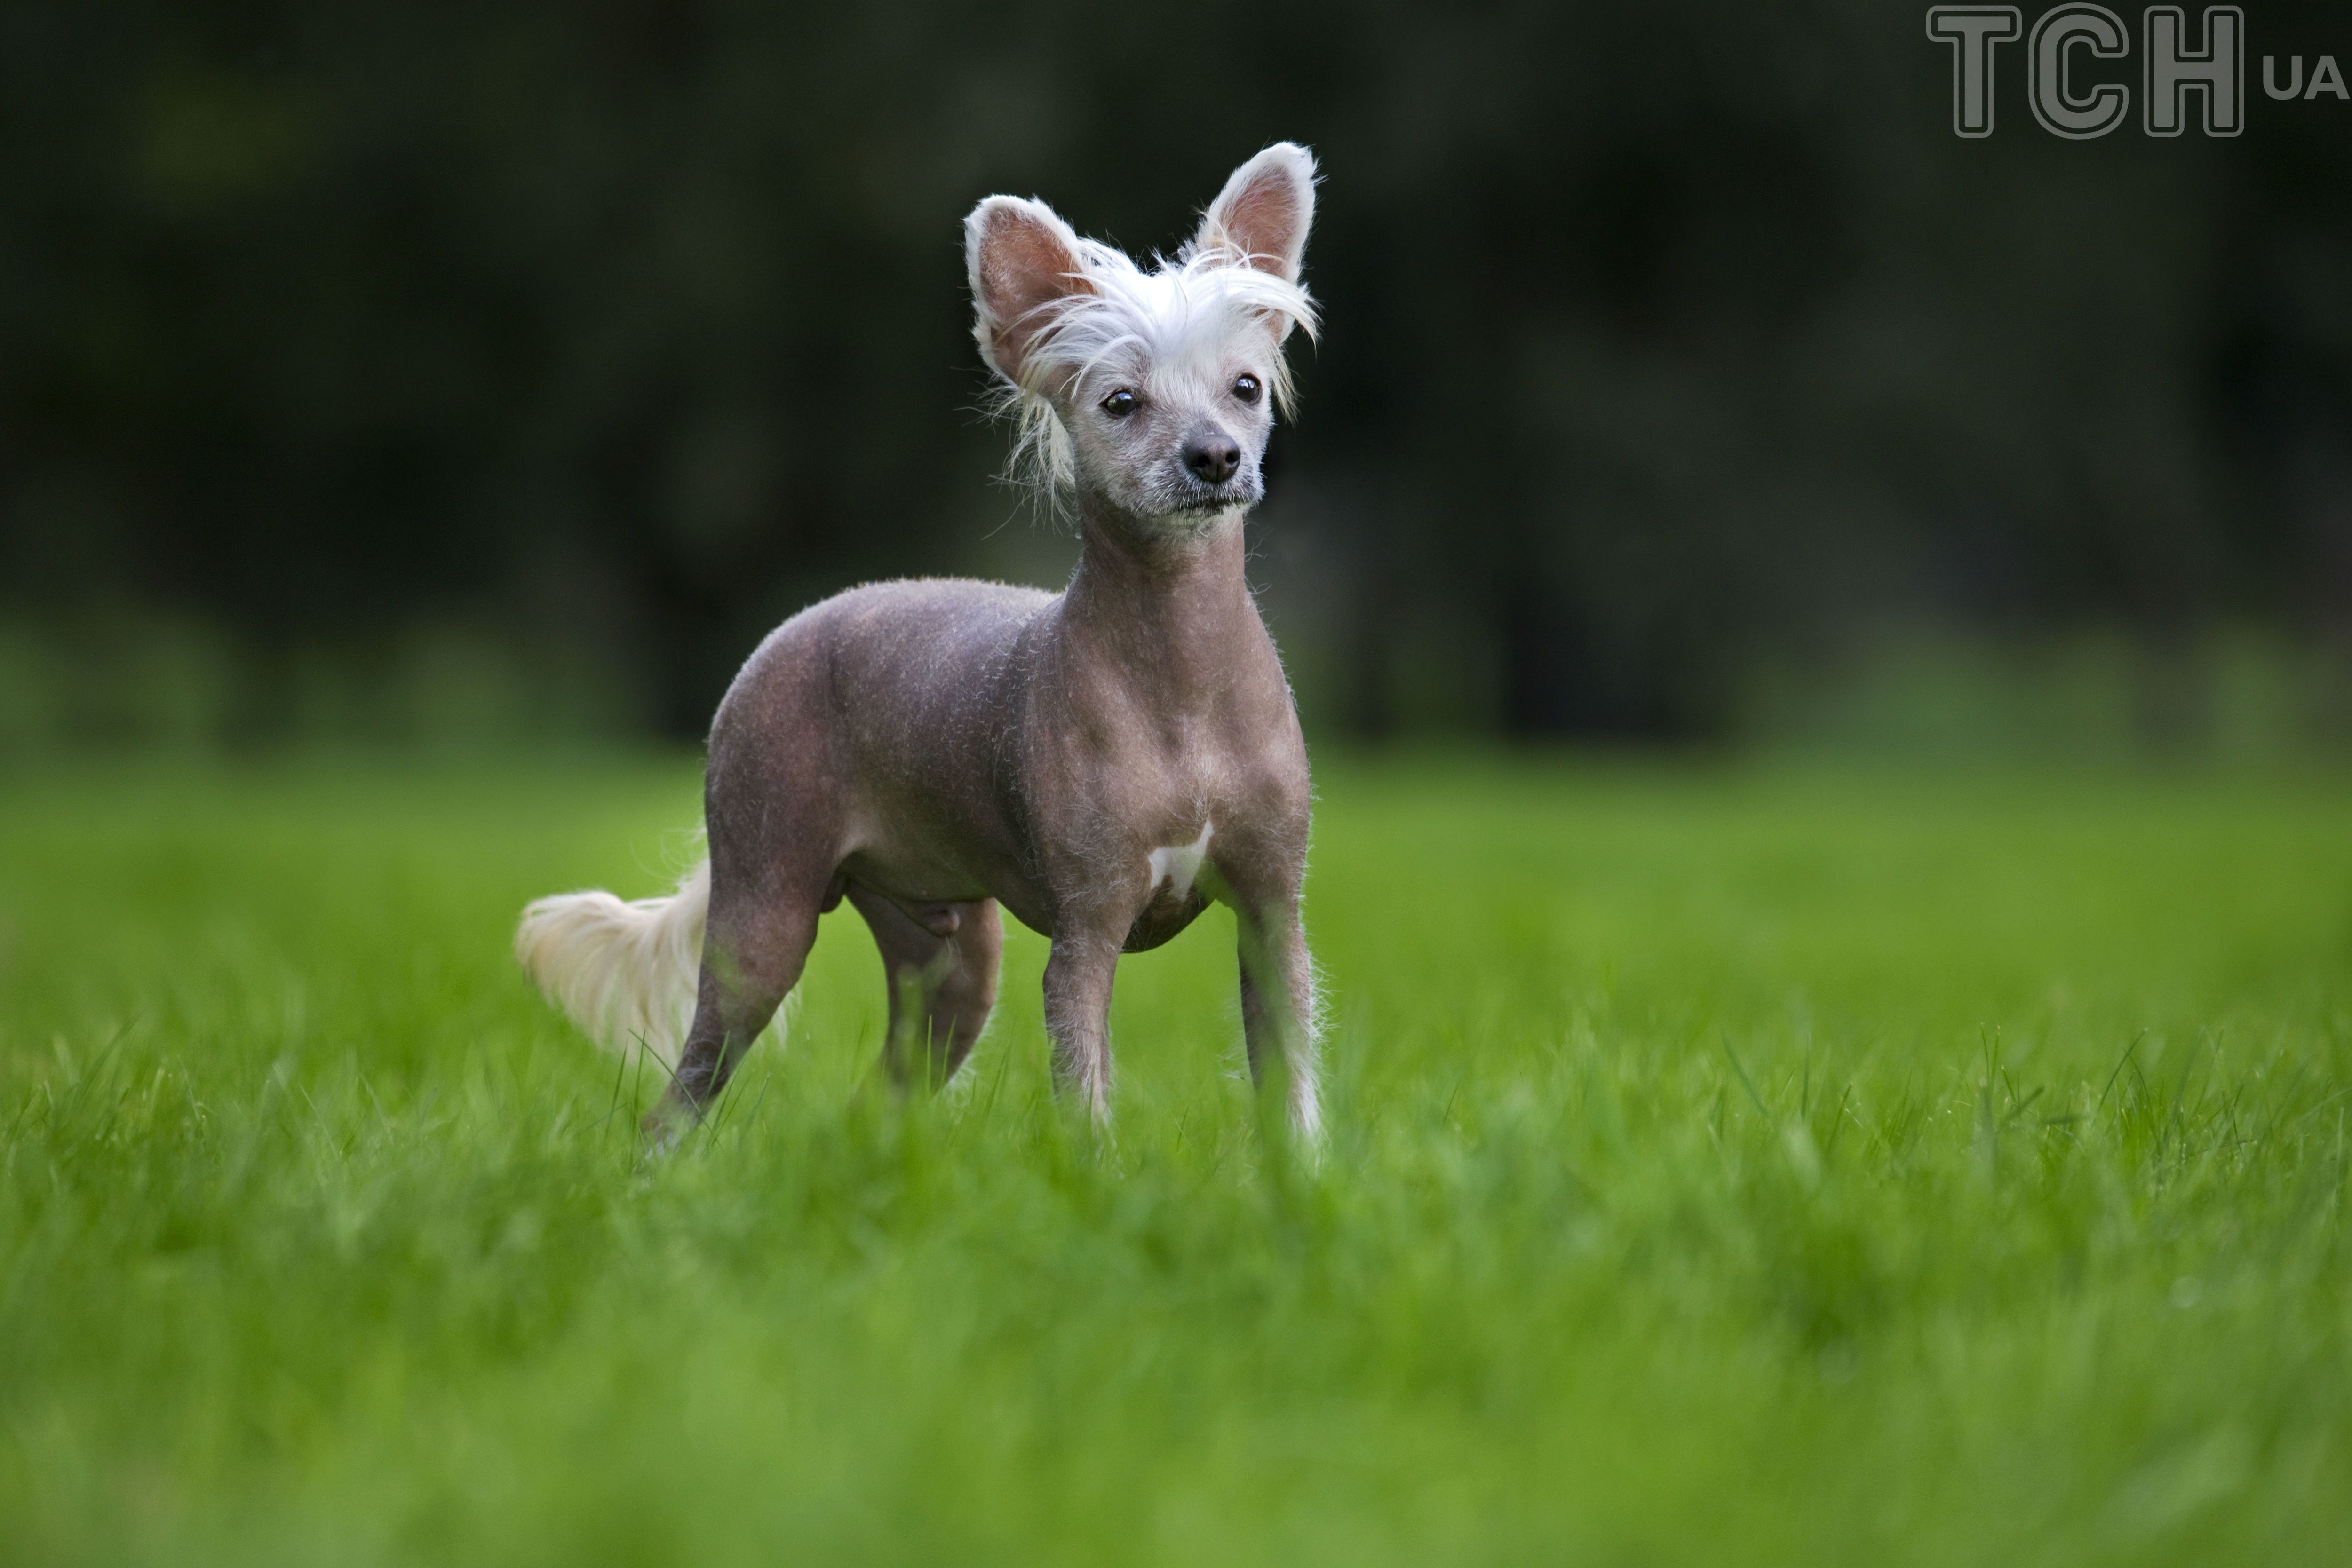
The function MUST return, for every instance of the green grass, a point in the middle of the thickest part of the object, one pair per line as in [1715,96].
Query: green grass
[1725,1167]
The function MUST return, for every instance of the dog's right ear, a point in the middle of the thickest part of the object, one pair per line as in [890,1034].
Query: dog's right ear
[1262,215]
[1022,259]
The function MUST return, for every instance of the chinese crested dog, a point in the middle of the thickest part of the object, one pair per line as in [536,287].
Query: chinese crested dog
[1103,762]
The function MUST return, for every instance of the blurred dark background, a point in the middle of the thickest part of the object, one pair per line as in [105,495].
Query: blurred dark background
[507,371]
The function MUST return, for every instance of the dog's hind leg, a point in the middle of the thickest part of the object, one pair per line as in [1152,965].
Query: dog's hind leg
[752,952]
[940,961]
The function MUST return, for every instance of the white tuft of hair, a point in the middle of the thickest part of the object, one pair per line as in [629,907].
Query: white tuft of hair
[625,972]
[1167,321]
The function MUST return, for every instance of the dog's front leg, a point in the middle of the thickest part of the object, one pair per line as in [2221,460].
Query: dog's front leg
[1278,1009]
[1079,977]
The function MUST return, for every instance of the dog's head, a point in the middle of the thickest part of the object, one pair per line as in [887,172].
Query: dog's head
[1154,391]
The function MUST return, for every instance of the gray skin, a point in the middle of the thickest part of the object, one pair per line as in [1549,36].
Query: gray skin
[932,749]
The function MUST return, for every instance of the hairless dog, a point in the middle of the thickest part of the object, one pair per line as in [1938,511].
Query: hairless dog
[1103,762]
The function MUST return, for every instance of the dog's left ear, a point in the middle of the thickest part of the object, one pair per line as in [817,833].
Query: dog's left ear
[1023,261]
[1263,213]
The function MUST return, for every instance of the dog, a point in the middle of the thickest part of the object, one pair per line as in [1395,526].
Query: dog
[1102,762]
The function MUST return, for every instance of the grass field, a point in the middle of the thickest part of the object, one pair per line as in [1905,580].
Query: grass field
[1725,1167]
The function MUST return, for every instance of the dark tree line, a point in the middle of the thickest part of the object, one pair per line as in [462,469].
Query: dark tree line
[1661,340]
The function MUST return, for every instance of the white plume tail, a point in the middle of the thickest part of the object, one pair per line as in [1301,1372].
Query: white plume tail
[624,972]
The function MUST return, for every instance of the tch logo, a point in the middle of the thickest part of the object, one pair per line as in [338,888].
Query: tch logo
[2080,108]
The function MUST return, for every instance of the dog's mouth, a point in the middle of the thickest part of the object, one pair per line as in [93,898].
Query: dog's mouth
[1204,501]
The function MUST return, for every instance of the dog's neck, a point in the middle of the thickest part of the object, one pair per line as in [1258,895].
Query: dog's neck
[1171,612]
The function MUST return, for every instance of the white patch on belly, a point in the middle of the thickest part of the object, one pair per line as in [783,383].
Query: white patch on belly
[1178,864]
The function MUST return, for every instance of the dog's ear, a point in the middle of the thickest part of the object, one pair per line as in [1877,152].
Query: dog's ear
[1263,213]
[1022,258]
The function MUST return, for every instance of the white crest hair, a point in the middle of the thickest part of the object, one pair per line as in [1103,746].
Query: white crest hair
[1179,313]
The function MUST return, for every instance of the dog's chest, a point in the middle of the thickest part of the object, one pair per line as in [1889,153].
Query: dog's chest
[1173,868]
[1176,876]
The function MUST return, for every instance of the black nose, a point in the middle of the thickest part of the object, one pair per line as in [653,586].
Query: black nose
[1212,458]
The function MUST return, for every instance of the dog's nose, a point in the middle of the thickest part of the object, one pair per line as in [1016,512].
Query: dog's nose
[1212,458]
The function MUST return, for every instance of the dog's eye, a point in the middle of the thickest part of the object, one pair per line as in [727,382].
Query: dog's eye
[1246,388]
[1120,404]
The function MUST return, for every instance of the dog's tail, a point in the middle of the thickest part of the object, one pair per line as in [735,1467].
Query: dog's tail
[624,972]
